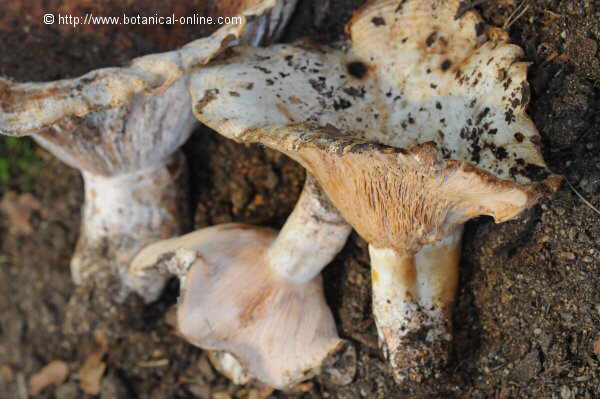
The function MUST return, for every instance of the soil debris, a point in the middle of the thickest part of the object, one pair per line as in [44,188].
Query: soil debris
[54,373]
[19,209]
[90,374]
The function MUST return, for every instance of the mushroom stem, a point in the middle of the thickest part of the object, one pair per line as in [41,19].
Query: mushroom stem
[311,237]
[124,213]
[413,294]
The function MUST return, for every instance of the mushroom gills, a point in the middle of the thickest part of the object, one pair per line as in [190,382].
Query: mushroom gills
[410,206]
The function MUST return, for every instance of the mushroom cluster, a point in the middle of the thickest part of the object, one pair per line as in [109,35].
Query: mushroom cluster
[408,129]
[412,127]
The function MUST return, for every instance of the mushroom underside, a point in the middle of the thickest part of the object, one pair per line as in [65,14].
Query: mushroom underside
[280,331]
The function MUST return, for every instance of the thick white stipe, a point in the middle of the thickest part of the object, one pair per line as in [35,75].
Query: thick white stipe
[311,237]
[413,294]
[121,215]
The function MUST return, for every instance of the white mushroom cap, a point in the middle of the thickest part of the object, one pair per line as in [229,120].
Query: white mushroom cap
[409,75]
[28,107]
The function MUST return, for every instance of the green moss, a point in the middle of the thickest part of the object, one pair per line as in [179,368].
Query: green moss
[17,157]
[372,331]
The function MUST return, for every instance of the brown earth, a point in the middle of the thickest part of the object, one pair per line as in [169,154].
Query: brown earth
[527,315]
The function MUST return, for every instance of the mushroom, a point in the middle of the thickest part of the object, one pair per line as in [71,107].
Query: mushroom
[122,127]
[257,294]
[410,205]
[412,127]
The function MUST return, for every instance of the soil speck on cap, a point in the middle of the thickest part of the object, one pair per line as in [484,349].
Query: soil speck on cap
[378,21]
[357,69]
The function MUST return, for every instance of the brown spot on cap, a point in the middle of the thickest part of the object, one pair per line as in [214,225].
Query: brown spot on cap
[525,93]
[519,137]
[509,116]
[295,100]
[378,21]
[209,95]
[446,65]
[400,5]
[430,39]
[501,74]
[357,69]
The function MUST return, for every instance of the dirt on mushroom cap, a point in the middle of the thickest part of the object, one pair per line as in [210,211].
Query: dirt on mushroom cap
[410,74]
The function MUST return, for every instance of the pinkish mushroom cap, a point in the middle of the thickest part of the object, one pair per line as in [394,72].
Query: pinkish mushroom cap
[256,294]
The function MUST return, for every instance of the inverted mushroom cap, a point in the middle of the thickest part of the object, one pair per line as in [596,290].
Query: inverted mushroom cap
[411,73]
[281,331]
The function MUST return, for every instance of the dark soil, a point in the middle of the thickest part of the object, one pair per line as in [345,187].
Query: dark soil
[527,316]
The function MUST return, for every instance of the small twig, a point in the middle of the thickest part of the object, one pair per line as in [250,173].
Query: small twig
[512,18]
[154,363]
[464,7]
[499,367]
[582,198]
[22,386]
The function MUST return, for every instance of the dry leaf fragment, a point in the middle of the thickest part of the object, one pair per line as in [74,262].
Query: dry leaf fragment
[597,347]
[6,373]
[18,209]
[90,374]
[54,373]
[201,391]
[260,393]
